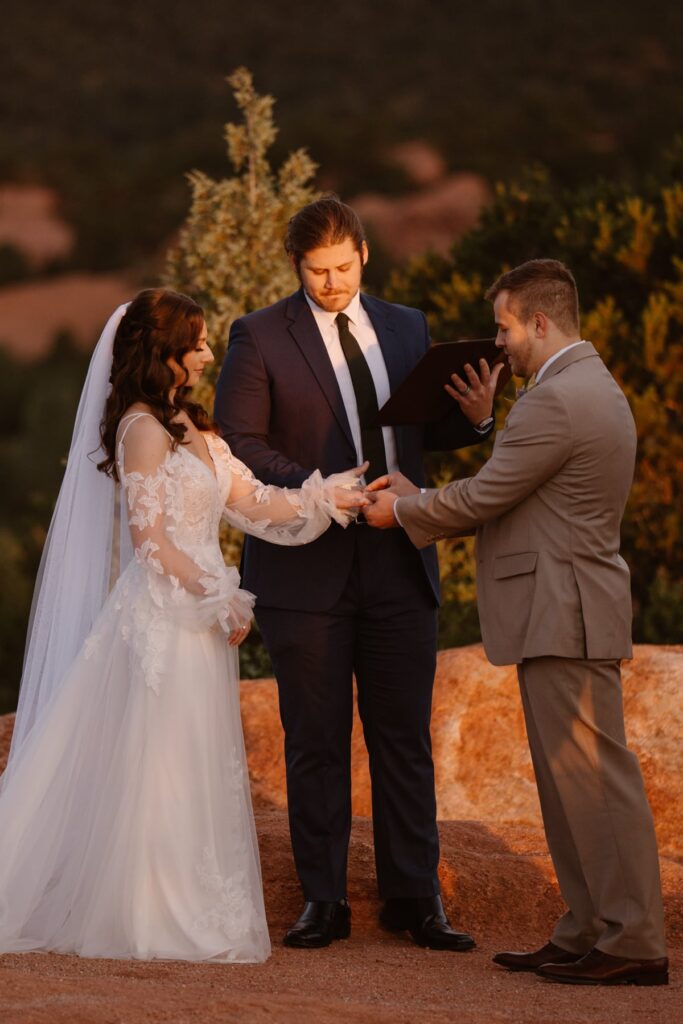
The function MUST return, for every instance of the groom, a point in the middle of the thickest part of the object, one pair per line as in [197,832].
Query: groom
[554,598]
[299,390]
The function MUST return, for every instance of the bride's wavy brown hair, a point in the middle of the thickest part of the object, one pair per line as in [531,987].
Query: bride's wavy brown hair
[158,324]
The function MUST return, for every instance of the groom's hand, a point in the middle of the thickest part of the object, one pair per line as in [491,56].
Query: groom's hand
[383,492]
[476,394]
[396,482]
[380,513]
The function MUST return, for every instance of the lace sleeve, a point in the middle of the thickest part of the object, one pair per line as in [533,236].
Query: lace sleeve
[192,596]
[282,515]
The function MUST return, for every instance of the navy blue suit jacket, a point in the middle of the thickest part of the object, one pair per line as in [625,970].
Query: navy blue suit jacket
[279,407]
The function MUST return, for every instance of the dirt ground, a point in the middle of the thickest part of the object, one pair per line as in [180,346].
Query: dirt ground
[497,883]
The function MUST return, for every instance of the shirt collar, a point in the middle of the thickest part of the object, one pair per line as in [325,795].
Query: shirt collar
[549,362]
[325,318]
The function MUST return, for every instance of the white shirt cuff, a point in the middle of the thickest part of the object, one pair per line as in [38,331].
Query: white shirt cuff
[396,515]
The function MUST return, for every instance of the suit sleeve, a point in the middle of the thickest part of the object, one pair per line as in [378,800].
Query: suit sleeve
[243,409]
[534,445]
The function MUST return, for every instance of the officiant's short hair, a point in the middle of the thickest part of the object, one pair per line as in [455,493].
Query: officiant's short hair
[544,286]
[327,221]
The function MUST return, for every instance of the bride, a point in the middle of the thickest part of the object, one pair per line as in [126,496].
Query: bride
[126,827]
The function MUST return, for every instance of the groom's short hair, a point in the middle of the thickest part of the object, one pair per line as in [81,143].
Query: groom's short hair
[544,286]
[327,221]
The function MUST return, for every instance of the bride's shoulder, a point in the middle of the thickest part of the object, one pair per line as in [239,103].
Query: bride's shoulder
[139,424]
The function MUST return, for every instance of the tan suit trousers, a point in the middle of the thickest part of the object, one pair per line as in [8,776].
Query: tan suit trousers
[597,819]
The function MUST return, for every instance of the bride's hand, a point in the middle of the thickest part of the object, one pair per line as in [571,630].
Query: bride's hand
[238,636]
[351,496]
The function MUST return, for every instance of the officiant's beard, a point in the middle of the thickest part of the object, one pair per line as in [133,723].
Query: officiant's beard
[332,302]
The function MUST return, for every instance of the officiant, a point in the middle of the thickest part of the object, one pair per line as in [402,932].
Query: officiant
[299,390]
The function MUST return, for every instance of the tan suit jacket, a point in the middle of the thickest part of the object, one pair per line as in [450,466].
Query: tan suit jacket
[547,509]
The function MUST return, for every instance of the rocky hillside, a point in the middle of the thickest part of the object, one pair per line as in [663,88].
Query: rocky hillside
[483,769]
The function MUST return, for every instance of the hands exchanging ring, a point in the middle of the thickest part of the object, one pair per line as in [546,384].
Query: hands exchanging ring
[382,493]
[376,502]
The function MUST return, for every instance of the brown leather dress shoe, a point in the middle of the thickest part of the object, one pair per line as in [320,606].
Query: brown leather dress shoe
[598,968]
[548,954]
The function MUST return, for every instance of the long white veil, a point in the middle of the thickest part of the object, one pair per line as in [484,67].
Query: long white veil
[76,565]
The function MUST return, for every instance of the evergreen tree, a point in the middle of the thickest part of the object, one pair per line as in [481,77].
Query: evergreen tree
[230,254]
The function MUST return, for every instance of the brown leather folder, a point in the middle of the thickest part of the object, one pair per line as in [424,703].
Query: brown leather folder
[421,397]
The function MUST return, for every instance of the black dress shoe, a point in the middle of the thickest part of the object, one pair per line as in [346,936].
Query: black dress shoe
[548,954]
[319,924]
[425,919]
[598,968]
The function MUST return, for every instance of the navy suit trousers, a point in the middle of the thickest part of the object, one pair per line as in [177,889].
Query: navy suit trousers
[383,629]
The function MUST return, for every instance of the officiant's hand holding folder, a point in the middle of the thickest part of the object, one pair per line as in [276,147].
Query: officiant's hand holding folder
[422,397]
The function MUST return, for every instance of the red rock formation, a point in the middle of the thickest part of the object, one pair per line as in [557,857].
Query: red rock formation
[483,770]
[432,218]
[29,221]
[32,314]
[492,876]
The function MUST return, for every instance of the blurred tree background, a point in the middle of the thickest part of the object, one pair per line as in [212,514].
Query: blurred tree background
[625,247]
[112,105]
[37,409]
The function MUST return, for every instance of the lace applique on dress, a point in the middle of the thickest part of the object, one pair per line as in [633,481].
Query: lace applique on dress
[92,645]
[145,555]
[145,631]
[178,576]
[232,908]
[144,500]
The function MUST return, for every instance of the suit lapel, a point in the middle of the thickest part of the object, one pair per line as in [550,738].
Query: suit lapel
[390,342]
[304,330]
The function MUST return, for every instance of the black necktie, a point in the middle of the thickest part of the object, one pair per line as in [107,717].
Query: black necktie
[366,400]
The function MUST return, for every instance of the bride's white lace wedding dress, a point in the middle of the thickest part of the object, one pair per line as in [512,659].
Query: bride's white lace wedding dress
[126,827]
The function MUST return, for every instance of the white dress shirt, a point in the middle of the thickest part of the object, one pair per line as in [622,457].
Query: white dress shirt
[364,333]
